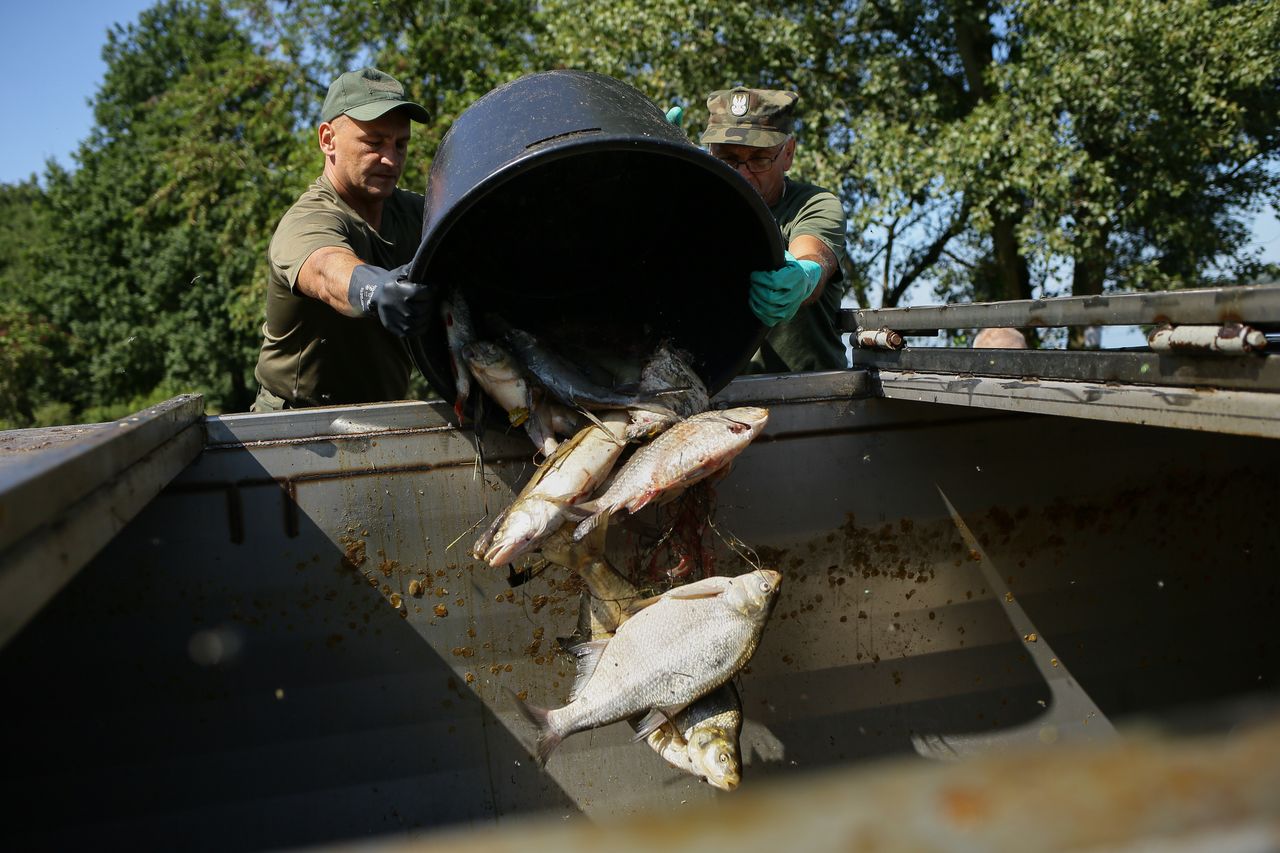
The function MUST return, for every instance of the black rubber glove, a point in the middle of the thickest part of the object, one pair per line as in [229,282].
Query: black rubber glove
[388,295]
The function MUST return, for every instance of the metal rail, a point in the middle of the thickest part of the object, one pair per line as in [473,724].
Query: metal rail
[1253,373]
[66,491]
[1210,410]
[1259,304]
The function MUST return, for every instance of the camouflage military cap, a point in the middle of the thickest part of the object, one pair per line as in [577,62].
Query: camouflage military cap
[757,117]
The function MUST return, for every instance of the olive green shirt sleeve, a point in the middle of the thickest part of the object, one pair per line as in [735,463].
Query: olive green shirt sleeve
[304,229]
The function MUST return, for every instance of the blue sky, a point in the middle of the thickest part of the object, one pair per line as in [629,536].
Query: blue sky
[55,46]
[51,52]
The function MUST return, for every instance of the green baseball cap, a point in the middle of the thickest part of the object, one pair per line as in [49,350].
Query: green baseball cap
[760,118]
[367,94]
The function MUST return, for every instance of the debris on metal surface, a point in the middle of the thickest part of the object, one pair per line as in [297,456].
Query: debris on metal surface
[1229,338]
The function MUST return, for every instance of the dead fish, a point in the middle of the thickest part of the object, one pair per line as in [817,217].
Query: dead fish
[718,622]
[668,372]
[566,382]
[459,332]
[690,451]
[501,378]
[608,595]
[570,474]
[703,738]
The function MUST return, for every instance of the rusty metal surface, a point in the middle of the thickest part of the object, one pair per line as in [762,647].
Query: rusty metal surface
[66,491]
[1228,339]
[1191,795]
[879,339]
[287,649]
[1255,304]
[1214,410]
[1259,373]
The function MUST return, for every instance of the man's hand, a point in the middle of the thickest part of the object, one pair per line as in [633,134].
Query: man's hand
[776,296]
[397,303]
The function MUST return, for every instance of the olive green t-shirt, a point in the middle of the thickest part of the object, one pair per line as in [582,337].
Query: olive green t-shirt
[312,355]
[811,339]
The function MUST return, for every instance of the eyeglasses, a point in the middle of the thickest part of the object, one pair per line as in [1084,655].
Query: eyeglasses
[755,165]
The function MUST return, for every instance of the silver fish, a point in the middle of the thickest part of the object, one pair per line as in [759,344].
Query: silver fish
[703,738]
[566,382]
[690,451]
[718,622]
[668,372]
[570,474]
[500,377]
[459,332]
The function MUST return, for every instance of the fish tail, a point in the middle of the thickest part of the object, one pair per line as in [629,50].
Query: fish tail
[548,738]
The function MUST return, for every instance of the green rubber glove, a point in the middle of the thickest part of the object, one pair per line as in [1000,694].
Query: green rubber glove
[776,296]
[675,115]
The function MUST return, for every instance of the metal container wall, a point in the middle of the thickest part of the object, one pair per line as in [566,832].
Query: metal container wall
[566,202]
[233,672]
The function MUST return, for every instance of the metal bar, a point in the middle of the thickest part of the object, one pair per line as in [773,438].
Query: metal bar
[1253,304]
[766,389]
[43,472]
[34,569]
[1256,373]
[1238,412]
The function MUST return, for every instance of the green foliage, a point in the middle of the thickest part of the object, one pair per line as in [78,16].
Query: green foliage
[162,229]
[982,148]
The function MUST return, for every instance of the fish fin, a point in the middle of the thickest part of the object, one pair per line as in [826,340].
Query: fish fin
[588,655]
[593,542]
[548,739]
[711,587]
[656,719]
[590,523]
[657,409]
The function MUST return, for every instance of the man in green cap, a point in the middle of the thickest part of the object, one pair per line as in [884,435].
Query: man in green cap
[750,130]
[338,295]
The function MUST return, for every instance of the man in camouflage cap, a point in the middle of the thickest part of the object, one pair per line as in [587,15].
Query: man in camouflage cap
[750,130]
[338,294]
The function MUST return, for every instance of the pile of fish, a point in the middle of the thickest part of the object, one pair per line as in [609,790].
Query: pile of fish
[664,663]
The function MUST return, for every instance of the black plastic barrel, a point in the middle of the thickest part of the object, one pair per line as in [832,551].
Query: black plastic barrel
[566,203]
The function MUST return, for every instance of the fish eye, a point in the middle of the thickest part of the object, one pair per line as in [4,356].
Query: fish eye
[723,758]
[764,586]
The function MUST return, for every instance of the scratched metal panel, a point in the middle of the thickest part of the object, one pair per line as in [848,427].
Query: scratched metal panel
[235,675]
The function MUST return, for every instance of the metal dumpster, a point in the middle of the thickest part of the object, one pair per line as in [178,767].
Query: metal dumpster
[244,666]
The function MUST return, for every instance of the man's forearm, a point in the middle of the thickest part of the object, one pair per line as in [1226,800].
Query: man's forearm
[326,276]
[808,247]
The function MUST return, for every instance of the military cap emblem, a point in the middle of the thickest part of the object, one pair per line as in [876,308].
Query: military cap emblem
[738,104]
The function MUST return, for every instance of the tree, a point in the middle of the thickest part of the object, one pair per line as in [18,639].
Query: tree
[991,148]
[163,226]
[446,53]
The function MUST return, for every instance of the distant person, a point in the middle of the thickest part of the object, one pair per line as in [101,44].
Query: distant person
[338,296]
[750,129]
[999,339]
